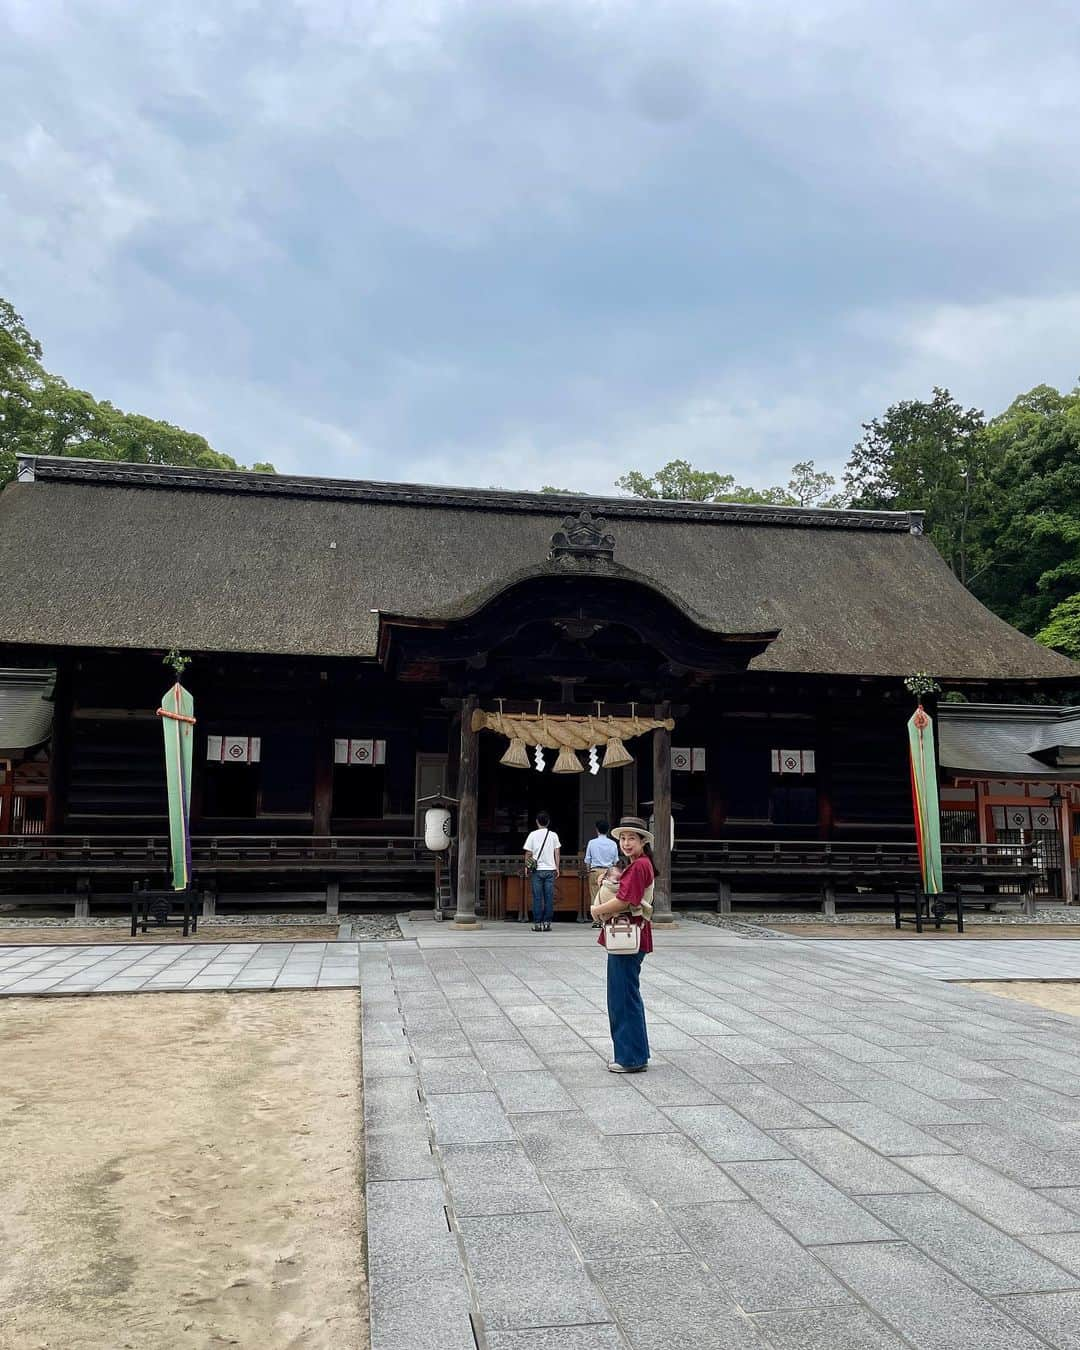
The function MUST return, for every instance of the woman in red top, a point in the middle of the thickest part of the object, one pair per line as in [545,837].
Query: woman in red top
[626,1011]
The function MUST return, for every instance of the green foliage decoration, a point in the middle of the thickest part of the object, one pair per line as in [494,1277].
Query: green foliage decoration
[178,662]
[921,684]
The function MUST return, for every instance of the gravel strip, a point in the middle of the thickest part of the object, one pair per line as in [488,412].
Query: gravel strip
[745,927]
[758,925]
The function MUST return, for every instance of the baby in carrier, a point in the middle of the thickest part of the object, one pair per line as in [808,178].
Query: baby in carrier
[609,890]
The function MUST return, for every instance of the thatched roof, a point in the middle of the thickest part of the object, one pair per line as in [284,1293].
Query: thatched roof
[121,555]
[1010,741]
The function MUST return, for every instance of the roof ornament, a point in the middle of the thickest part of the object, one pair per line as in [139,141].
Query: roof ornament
[581,541]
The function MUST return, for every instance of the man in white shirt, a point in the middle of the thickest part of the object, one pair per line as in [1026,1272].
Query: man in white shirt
[542,850]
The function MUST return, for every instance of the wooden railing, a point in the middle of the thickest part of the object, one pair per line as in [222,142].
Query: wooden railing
[83,854]
[693,859]
[821,855]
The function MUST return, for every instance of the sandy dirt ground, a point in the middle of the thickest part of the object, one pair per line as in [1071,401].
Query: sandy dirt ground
[1058,995]
[55,937]
[977,932]
[182,1172]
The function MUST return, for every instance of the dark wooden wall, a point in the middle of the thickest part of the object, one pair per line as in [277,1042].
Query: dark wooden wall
[109,775]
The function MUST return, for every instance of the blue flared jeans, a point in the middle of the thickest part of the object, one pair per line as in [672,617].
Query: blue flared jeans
[626,1011]
[543,896]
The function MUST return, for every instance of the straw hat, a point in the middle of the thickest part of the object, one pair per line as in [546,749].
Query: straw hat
[633,825]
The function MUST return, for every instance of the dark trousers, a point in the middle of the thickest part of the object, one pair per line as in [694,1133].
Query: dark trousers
[543,893]
[626,1011]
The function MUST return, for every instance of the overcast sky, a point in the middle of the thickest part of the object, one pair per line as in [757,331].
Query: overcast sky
[521,243]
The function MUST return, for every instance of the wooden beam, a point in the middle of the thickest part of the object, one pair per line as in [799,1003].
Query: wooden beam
[515,706]
[467,790]
[662,819]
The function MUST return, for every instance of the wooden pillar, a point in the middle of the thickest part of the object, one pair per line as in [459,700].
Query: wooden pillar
[333,897]
[662,820]
[323,801]
[1065,826]
[982,812]
[823,772]
[467,789]
[63,701]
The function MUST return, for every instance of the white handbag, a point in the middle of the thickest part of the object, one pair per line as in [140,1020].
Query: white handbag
[622,937]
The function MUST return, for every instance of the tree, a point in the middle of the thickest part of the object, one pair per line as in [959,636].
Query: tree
[1063,629]
[809,486]
[1033,522]
[41,414]
[927,456]
[679,481]
[21,376]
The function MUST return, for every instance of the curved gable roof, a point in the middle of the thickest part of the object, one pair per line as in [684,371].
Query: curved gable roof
[100,554]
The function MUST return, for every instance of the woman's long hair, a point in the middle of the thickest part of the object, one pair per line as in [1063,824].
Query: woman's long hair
[646,849]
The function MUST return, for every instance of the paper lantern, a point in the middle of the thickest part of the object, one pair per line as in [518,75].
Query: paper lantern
[652,830]
[567,762]
[616,754]
[516,756]
[436,828]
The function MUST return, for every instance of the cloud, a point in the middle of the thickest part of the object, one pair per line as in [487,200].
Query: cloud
[540,242]
[1009,343]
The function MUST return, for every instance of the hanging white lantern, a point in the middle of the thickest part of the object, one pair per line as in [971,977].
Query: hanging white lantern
[652,830]
[436,828]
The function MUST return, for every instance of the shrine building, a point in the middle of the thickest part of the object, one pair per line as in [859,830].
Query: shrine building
[353,646]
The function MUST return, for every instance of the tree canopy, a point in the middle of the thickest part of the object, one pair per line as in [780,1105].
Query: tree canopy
[1031,525]
[678,480]
[41,414]
[1001,497]
[926,456]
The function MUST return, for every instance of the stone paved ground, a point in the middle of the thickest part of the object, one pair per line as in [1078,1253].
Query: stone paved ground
[1006,959]
[115,968]
[831,1151]
[834,1148]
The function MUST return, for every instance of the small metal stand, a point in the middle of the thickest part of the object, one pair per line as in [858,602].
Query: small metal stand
[445,900]
[926,909]
[156,907]
[444,885]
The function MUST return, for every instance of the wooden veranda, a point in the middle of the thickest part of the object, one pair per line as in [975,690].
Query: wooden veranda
[379,868]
